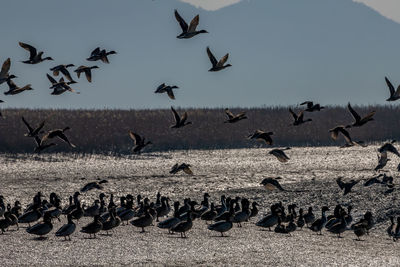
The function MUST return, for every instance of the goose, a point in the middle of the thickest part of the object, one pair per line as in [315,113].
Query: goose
[67,229]
[272,183]
[358,120]
[143,221]
[86,70]
[113,222]
[14,89]
[92,210]
[242,215]
[63,69]
[171,222]
[181,167]
[6,222]
[98,54]
[269,220]
[298,118]
[77,213]
[222,226]
[61,86]
[164,209]
[382,161]
[390,230]
[5,68]
[188,31]
[223,207]
[234,118]
[210,214]
[30,216]
[319,224]
[349,142]
[261,136]
[128,213]
[93,227]
[59,133]
[184,226]
[346,186]
[93,185]
[363,226]
[42,228]
[300,221]
[280,154]
[179,121]
[204,204]
[311,107]
[139,142]
[335,217]
[217,65]
[34,56]
[394,95]
[163,88]
[388,147]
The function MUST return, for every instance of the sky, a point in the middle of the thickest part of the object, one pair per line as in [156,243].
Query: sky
[283,52]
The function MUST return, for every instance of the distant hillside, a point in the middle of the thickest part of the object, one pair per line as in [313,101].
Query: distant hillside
[104,131]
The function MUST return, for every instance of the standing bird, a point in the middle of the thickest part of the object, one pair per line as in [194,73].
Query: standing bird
[93,227]
[261,136]
[14,89]
[34,56]
[188,31]
[138,141]
[67,229]
[280,154]
[298,118]
[394,95]
[31,131]
[162,88]
[182,167]
[58,133]
[382,161]
[346,186]
[311,107]
[98,54]
[358,120]
[217,65]
[234,118]
[272,183]
[179,121]
[319,224]
[86,70]
[42,228]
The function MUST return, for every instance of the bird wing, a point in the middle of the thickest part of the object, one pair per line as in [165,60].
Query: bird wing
[308,103]
[390,85]
[334,133]
[340,183]
[88,74]
[176,115]
[184,117]
[293,114]
[41,125]
[174,168]
[301,115]
[181,21]
[95,52]
[367,117]
[229,114]
[222,61]
[63,137]
[38,140]
[193,24]
[30,48]
[187,170]
[11,85]
[66,74]
[161,86]
[353,113]
[30,129]
[5,68]
[213,60]
[51,79]
[135,137]
[171,94]
[346,135]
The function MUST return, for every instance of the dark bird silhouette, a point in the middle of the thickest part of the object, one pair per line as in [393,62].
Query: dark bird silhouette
[93,185]
[373,180]
[388,147]
[280,154]
[31,131]
[86,70]
[188,31]
[311,107]
[98,54]
[272,183]
[59,133]
[179,121]
[41,145]
[298,118]
[5,68]
[181,167]
[382,160]
[34,56]
[217,65]
[234,118]
[63,69]
[138,141]
[346,186]
[394,95]
[349,142]
[358,120]
[14,89]
[60,87]
[261,136]
[162,88]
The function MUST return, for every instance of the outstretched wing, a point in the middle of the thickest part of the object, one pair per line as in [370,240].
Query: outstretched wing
[229,114]
[5,68]
[222,61]
[353,113]
[135,137]
[213,60]
[51,79]
[346,135]
[95,52]
[293,114]
[390,85]
[31,49]
[193,24]
[340,183]
[181,21]
[176,115]
[369,115]
[30,129]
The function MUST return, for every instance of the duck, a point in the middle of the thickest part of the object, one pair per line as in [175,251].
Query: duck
[222,226]
[139,142]
[340,226]
[183,226]
[93,227]
[34,56]
[188,31]
[280,228]
[4,73]
[113,222]
[63,69]
[271,183]
[128,213]
[163,88]
[92,210]
[60,134]
[389,147]
[300,221]
[359,229]
[298,118]
[243,214]
[61,86]
[346,186]
[311,107]
[291,227]
[98,54]
[234,118]
[262,136]
[164,209]
[319,224]
[280,154]
[42,228]
[6,222]
[363,226]
[14,89]
[269,220]
[358,120]
[30,216]
[210,214]
[181,167]
[77,213]
[143,221]
[180,121]
[217,65]
[86,70]
[335,217]
[171,222]
[93,185]
[394,95]
[67,229]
